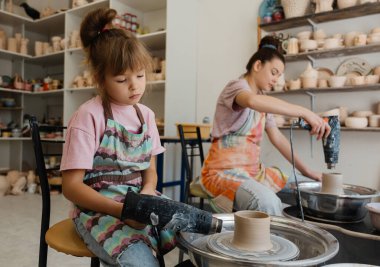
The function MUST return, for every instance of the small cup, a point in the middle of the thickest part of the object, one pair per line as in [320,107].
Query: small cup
[294,84]
[322,83]
[332,183]
[252,231]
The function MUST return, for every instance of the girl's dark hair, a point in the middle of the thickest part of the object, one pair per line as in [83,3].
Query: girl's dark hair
[269,48]
[109,49]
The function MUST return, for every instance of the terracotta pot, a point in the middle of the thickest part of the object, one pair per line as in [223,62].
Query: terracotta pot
[252,231]
[332,183]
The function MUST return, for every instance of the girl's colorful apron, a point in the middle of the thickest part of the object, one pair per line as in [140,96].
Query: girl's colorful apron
[117,167]
[233,159]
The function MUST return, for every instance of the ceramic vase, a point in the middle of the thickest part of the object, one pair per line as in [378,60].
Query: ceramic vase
[24,46]
[332,183]
[38,48]
[252,231]
[295,8]
[12,44]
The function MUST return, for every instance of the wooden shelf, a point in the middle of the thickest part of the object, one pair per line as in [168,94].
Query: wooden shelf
[83,89]
[11,109]
[7,90]
[345,129]
[330,53]
[15,138]
[154,40]
[337,14]
[357,88]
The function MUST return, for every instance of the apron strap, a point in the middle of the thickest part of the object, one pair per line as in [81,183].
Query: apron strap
[139,114]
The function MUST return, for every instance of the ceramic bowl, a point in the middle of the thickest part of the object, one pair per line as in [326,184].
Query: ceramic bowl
[371,79]
[337,81]
[358,80]
[354,122]
[304,35]
[374,213]
[374,121]
[331,43]
[346,3]
[362,113]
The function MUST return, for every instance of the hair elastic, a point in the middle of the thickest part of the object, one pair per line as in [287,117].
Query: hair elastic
[269,46]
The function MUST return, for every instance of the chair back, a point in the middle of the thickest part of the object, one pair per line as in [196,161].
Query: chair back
[191,148]
[43,176]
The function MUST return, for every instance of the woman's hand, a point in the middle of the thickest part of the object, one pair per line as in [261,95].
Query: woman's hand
[317,176]
[318,126]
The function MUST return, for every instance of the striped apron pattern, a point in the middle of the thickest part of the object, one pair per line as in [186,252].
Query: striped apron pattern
[235,158]
[117,167]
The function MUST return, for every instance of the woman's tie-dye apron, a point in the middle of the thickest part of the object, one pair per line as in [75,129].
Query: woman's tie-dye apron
[117,167]
[235,158]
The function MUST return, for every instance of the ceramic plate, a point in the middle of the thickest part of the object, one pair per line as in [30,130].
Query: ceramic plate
[324,73]
[283,249]
[354,65]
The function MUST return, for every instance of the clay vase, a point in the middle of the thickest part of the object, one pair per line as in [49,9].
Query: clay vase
[252,231]
[12,44]
[24,46]
[18,37]
[332,183]
[38,48]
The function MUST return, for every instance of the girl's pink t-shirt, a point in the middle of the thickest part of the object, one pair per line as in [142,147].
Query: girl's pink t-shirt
[229,117]
[87,126]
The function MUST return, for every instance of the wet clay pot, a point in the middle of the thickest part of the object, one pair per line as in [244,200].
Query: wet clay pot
[252,231]
[332,183]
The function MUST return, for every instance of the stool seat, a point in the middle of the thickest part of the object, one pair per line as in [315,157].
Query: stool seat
[196,189]
[63,237]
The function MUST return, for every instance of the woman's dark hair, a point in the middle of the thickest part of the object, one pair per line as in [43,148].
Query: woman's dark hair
[110,49]
[269,48]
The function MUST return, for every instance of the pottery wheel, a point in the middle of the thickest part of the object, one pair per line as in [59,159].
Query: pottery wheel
[282,250]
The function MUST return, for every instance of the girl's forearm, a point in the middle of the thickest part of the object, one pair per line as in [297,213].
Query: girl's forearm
[86,197]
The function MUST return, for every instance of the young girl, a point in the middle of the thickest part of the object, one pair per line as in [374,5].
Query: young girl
[232,174]
[110,147]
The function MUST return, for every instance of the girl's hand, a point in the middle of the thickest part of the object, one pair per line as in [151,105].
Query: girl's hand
[318,126]
[134,224]
[148,191]
[317,176]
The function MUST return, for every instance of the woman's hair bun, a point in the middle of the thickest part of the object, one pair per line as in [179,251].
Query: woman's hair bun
[270,42]
[93,24]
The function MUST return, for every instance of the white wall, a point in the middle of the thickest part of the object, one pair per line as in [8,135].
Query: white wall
[227,38]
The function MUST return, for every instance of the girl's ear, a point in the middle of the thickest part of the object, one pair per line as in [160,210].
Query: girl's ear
[257,65]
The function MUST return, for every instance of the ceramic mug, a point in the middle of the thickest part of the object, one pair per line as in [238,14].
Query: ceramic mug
[332,183]
[290,46]
[307,45]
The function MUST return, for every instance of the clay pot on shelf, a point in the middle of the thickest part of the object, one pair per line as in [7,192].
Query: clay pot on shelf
[337,81]
[346,3]
[323,5]
[332,183]
[354,122]
[24,46]
[371,79]
[295,8]
[290,46]
[56,41]
[374,121]
[357,80]
[252,231]
[38,48]
[12,44]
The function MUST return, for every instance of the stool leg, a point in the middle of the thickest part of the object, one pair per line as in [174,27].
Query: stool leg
[180,257]
[201,203]
[95,262]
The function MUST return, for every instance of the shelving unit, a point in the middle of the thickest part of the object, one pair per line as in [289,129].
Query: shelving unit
[356,145]
[337,14]
[65,65]
[357,88]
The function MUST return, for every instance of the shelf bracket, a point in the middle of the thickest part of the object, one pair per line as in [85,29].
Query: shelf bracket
[312,24]
[312,60]
[312,107]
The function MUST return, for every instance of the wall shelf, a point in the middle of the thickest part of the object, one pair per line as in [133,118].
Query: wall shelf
[11,109]
[331,53]
[13,55]
[154,40]
[356,88]
[337,14]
